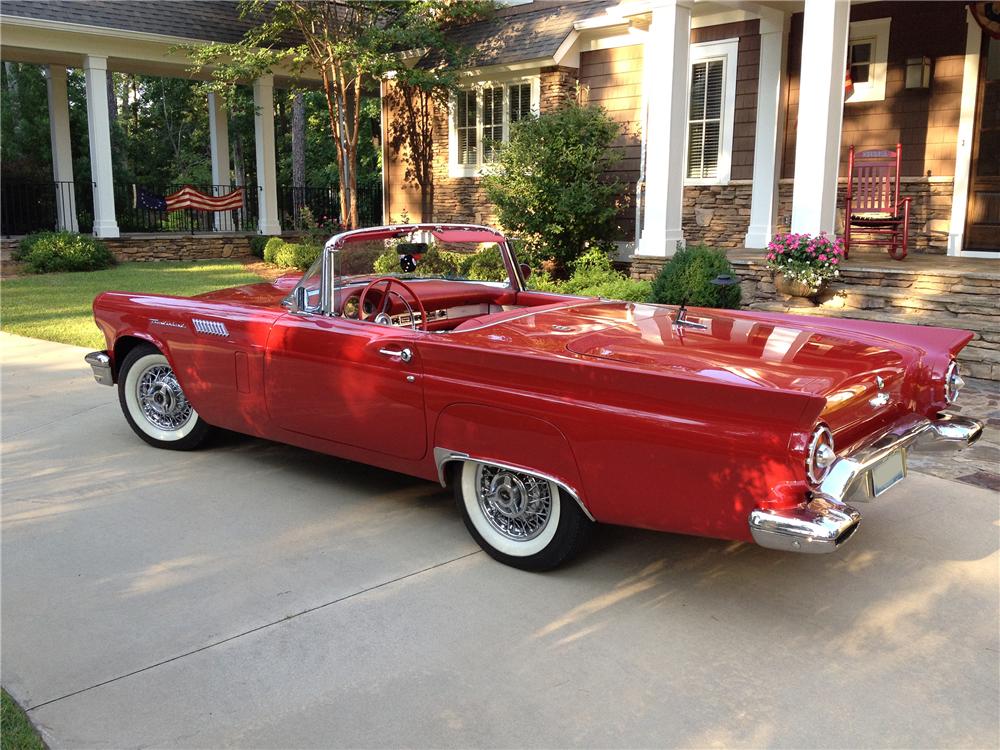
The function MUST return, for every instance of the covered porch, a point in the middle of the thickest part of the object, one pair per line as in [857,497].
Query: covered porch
[789,115]
[140,40]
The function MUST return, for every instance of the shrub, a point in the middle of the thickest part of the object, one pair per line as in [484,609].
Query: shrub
[594,276]
[686,278]
[46,252]
[550,186]
[804,258]
[257,244]
[272,247]
[296,255]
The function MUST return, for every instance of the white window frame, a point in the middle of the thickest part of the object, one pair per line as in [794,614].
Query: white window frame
[480,167]
[877,29]
[726,50]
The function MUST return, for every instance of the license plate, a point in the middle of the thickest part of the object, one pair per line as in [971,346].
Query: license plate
[887,472]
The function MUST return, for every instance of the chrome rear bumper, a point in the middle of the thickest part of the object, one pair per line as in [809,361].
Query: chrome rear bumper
[825,521]
[100,363]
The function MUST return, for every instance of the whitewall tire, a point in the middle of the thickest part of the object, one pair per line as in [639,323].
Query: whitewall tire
[518,518]
[154,404]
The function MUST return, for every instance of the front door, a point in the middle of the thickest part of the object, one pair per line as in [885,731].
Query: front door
[347,381]
[982,231]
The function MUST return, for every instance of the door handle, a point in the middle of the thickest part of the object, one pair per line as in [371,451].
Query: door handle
[404,354]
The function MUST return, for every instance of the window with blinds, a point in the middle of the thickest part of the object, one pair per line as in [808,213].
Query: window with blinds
[520,101]
[481,119]
[705,118]
[465,127]
[492,122]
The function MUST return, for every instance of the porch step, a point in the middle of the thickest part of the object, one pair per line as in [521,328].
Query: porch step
[988,324]
[960,299]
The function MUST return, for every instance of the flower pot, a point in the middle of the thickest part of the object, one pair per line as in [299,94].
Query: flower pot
[794,288]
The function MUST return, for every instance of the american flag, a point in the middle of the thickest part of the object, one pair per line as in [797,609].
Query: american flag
[188,197]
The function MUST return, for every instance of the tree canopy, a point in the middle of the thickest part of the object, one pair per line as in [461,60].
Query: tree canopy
[352,45]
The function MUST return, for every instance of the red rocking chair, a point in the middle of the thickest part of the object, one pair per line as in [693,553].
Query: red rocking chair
[874,209]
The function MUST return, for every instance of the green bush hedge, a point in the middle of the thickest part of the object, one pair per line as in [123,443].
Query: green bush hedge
[686,278]
[594,275]
[297,255]
[482,266]
[48,252]
[257,245]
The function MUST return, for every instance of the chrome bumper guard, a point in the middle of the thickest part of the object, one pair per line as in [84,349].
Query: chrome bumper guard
[825,521]
[100,363]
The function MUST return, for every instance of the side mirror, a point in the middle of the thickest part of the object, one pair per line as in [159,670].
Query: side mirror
[300,298]
[525,271]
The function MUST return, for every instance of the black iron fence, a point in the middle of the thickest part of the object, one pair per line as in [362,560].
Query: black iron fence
[27,207]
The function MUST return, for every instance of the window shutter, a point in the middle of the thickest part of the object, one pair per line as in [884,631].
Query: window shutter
[520,101]
[492,121]
[705,118]
[465,126]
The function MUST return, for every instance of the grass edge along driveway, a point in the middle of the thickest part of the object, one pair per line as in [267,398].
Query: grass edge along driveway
[57,306]
[16,729]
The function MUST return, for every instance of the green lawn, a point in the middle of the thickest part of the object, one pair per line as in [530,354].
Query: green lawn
[16,732]
[57,306]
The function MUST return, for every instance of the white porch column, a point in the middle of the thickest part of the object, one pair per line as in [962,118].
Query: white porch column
[267,171]
[769,128]
[821,113]
[665,79]
[966,128]
[62,154]
[218,134]
[99,127]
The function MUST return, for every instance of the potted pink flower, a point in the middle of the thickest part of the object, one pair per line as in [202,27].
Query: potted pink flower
[804,264]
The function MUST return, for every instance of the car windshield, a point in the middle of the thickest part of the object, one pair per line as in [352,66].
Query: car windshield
[362,261]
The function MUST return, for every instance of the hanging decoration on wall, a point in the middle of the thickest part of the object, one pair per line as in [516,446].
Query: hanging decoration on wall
[987,15]
[186,197]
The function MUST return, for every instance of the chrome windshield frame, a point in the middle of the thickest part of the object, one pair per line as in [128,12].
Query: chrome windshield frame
[514,277]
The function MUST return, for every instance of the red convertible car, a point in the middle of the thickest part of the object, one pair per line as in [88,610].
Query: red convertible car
[420,349]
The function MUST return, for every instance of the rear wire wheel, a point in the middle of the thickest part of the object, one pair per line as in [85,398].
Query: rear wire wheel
[518,518]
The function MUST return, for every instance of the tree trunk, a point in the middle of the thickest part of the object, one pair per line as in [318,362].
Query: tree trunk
[298,153]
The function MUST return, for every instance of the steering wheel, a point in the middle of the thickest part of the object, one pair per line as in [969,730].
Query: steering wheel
[389,281]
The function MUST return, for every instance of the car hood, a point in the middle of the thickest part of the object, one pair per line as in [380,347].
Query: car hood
[264,294]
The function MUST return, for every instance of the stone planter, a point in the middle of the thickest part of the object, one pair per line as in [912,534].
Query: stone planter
[795,288]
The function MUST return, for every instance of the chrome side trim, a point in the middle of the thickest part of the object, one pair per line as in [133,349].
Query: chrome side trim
[444,456]
[815,527]
[100,363]
[947,432]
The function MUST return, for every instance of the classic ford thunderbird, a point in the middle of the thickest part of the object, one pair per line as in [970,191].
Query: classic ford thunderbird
[420,349]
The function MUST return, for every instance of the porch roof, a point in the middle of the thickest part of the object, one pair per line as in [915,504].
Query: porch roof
[524,32]
[204,20]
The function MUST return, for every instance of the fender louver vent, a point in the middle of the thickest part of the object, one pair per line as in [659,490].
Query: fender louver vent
[212,327]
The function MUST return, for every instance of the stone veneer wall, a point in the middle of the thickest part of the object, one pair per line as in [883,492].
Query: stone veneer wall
[716,215]
[146,247]
[719,215]
[930,211]
[179,247]
[462,199]
[940,297]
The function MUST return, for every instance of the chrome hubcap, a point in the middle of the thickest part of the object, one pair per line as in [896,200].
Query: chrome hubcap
[517,505]
[161,399]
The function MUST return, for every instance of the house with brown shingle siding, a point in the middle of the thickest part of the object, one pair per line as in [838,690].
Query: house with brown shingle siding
[711,130]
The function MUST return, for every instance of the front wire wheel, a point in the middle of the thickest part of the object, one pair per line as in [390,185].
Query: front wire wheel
[154,403]
[518,518]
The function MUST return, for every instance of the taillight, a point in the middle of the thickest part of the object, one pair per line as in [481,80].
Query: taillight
[821,454]
[953,383]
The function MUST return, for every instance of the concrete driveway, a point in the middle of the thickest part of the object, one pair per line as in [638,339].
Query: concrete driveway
[255,595]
